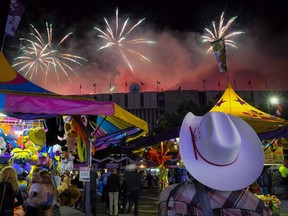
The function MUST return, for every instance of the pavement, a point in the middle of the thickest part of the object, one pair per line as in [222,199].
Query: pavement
[148,206]
[284,207]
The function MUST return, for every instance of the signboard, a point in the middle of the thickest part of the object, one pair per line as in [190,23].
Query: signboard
[84,174]
[274,155]
[112,165]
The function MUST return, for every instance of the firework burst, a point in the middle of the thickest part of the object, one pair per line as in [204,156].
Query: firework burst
[118,39]
[40,55]
[216,34]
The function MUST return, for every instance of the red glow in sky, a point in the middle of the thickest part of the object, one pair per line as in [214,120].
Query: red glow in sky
[179,58]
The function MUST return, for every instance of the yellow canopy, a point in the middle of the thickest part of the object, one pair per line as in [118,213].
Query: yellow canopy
[261,122]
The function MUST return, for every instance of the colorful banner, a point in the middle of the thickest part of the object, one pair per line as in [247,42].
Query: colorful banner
[220,54]
[14,16]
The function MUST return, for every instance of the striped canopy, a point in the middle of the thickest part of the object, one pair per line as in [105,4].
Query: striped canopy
[22,99]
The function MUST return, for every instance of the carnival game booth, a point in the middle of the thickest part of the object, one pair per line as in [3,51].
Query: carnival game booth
[272,131]
[261,122]
[91,119]
[21,99]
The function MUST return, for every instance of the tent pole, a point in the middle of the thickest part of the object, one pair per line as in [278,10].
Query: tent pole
[88,164]
[88,130]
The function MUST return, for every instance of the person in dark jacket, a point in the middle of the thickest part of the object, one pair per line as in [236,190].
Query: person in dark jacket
[93,189]
[133,186]
[113,188]
[12,196]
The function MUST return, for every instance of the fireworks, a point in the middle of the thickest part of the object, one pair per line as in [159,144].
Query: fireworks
[41,55]
[118,40]
[215,34]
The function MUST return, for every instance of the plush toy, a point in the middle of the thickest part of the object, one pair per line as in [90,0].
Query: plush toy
[66,164]
[7,133]
[64,184]
[2,146]
[71,138]
[21,164]
[34,141]
[54,155]
[67,194]
[283,171]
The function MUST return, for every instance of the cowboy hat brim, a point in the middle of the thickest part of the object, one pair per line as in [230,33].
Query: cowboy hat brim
[240,174]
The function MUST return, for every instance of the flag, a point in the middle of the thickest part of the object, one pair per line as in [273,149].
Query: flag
[158,82]
[80,86]
[179,88]
[15,13]
[218,83]
[126,84]
[94,84]
[249,82]
[220,54]
[142,83]
[204,81]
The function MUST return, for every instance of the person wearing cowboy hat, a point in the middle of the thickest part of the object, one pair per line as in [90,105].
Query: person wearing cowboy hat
[224,156]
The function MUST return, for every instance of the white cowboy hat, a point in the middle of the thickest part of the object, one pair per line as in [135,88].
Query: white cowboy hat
[221,151]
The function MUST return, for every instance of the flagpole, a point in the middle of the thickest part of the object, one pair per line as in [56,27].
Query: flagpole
[157,85]
[250,83]
[94,88]
[203,82]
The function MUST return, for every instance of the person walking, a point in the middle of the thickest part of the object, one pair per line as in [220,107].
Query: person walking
[104,178]
[126,197]
[10,194]
[43,196]
[133,186]
[33,185]
[93,189]
[113,188]
[149,179]
[219,152]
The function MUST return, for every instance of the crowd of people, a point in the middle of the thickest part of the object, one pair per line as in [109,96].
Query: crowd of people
[215,182]
[38,199]
[120,191]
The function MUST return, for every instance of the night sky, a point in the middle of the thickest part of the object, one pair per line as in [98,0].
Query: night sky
[178,59]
